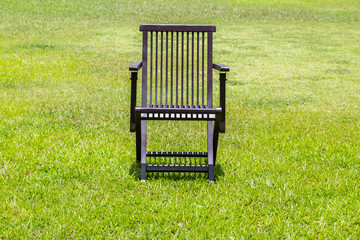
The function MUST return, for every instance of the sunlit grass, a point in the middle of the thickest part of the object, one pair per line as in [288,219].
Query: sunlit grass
[288,165]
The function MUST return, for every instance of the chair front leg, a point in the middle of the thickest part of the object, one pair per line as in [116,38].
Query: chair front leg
[210,133]
[133,101]
[222,100]
[138,136]
[143,150]
[216,135]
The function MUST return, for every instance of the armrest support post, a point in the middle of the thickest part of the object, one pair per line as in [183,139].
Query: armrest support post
[223,69]
[222,100]
[133,101]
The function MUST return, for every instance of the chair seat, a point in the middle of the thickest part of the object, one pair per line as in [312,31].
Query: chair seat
[177,106]
[178,113]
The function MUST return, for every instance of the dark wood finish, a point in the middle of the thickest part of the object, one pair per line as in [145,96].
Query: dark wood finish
[222,101]
[144,71]
[221,67]
[182,68]
[172,68]
[203,69]
[178,110]
[216,135]
[133,98]
[222,92]
[177,68]
[210,146]
[156,69]
[209,70]
[176,154]
[197,69]
[143,150]
[138,136]
[179,117]
[192,68]
[187,68]
[177,168]
[135,66]
[180,88]
[177,28]
[151,65]
[166,71]
[161,69]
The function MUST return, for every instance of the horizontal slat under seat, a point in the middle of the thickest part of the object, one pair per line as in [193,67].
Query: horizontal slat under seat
[176,154]
[177,168]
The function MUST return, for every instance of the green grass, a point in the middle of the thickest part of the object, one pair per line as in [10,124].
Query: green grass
[288,165]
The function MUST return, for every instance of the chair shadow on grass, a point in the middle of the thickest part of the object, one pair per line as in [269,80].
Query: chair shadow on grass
[175,176]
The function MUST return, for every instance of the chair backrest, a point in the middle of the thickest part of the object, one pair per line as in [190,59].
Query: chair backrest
[177,65]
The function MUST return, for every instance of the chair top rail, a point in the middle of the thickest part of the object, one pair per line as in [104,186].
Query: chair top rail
[177,28]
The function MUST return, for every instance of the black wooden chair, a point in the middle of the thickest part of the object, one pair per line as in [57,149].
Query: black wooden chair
[177,84]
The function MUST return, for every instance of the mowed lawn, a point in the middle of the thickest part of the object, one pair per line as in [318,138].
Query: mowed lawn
[288,165]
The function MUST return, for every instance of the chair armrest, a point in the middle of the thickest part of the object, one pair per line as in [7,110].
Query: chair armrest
[221,67]
[135,66]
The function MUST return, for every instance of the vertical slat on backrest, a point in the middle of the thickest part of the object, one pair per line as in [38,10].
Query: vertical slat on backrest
[166,70]
[187,68]
[156,66]
[209,70]
[161,69]
[203,68]
[192,68]
[144,71]
[197,68]
[151,65]
[172,70]
[177,68]
[182,69]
